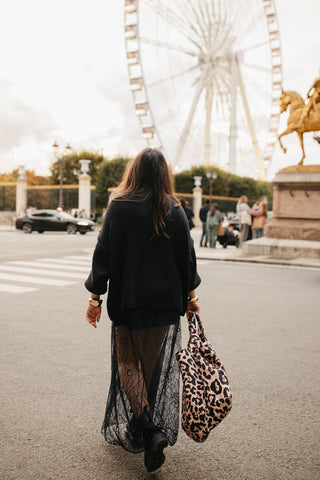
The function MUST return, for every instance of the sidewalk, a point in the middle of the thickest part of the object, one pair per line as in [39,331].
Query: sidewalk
[234,254]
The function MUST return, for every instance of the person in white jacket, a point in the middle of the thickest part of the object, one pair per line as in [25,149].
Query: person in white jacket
[244,216]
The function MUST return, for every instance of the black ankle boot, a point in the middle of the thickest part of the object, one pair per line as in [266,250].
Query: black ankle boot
[154,442]
[134,433]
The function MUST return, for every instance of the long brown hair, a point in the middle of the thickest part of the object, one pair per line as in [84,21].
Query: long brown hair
[148,174]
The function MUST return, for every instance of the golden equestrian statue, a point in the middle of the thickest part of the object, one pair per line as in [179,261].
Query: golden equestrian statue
[303,117]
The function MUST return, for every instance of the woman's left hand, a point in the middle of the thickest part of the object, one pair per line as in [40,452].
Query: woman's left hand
[193,307]
[93,315]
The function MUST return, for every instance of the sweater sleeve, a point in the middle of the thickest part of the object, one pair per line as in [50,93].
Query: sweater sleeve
[194,279]
[97,281]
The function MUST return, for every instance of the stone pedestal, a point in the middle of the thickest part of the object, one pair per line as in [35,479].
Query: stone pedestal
[197,204]
[296,204]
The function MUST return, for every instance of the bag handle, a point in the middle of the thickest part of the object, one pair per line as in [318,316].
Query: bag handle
[195,326]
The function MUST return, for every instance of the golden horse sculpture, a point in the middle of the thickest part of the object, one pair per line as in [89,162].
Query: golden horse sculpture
[303,117]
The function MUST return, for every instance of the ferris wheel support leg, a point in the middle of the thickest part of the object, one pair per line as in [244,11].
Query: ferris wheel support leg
[261,172]
[207,145]
[186,130]
[233,116]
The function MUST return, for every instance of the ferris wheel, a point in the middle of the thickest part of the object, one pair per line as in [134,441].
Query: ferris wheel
[206,78]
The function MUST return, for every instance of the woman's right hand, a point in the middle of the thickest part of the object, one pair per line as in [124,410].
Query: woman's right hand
[93,315]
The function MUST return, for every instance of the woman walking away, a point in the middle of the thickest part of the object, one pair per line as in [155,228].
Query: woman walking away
[244,216]
[259,212]
[213,219]
[146,254]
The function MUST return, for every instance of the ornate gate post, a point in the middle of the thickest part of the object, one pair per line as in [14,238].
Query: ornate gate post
[21,190]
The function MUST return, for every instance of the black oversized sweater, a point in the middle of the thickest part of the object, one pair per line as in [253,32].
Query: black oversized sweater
[143,270]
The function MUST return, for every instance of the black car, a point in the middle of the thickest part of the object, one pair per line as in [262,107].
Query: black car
[53,220]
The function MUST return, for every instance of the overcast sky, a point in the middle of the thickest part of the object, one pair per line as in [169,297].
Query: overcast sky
[63,77]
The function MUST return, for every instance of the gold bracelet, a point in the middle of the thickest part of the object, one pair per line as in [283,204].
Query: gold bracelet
[95,302]
[193,299]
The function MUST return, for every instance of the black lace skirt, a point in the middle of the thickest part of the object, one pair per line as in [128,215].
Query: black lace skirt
[145,377]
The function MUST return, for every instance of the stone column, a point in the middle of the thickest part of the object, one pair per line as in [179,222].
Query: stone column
[197,200]
[84,201]
[21,190]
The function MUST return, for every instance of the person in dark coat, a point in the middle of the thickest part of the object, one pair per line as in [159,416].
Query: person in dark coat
[145,258]
[203,213]
[188,211]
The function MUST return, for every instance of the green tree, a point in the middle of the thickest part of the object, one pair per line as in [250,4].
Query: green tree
[32,178]
[71,166]
[226,184]
[184,182]
[109,175]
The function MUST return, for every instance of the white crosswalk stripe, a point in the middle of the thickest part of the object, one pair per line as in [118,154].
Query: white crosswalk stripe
[38,271]
[40,280]
[70,261]
[16,289]
[49,265]
[22,276]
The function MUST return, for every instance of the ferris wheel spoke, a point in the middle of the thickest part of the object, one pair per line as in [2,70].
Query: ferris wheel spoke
[171,77]
[252,47]
[247,27]
[210,15]
[207,134]
[187,126]
[257,67]
[200,22]
[167,46]
[223,98]
[260,91]
[173,19]
[255,144]
[220,32]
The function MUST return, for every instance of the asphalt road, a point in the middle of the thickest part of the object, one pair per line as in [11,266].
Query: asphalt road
[262,320]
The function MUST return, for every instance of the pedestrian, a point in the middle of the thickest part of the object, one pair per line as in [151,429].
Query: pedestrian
[188,211]
[145,253]
[244,217]
[82,214]
[203,217]
[29,211]
[259,212]
[93,216]
[22,212]
[214,218]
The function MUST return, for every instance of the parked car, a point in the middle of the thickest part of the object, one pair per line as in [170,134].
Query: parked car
[53,220]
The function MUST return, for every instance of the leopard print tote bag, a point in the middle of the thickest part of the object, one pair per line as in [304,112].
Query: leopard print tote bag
[206,395]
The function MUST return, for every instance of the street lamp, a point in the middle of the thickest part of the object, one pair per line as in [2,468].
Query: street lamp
[211,176]
[65,153]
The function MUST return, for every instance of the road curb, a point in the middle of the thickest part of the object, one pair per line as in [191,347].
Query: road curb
[263,261]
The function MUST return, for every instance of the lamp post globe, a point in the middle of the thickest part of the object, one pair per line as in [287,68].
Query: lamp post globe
[211,176]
